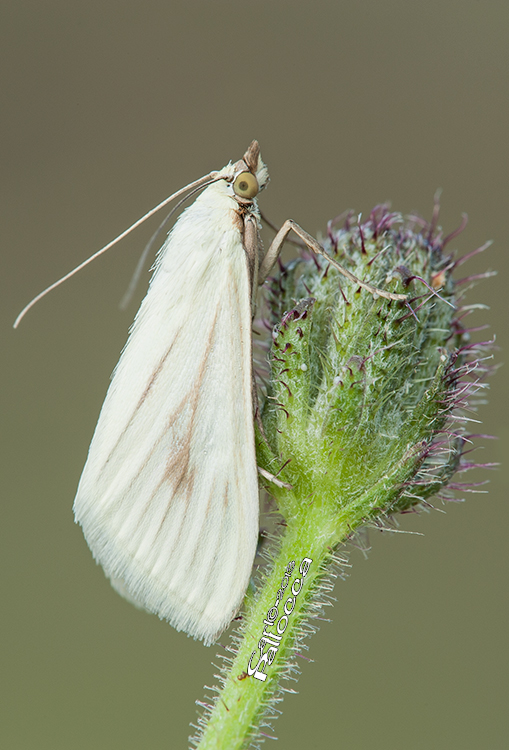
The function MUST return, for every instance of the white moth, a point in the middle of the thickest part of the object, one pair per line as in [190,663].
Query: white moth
[168,498]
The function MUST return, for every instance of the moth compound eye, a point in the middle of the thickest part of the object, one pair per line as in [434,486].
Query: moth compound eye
[246,185]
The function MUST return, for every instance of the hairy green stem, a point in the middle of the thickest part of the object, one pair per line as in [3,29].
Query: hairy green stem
[243,697]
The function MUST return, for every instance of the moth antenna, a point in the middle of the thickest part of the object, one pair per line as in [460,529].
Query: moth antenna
[202,182]
[143,257]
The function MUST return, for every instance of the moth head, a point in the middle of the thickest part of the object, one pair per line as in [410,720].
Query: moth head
[249,175]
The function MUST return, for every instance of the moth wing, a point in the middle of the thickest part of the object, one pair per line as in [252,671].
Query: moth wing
[168,498]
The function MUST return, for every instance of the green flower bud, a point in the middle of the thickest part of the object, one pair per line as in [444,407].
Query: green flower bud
[357,417]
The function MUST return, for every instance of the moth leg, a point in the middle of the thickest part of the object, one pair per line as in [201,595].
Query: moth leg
[263,472]
[275,229]
[277,243]
[272,478]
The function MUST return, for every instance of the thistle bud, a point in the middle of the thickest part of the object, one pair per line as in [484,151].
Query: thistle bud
[364,412]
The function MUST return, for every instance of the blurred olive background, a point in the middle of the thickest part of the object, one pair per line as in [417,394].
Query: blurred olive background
[107,107]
